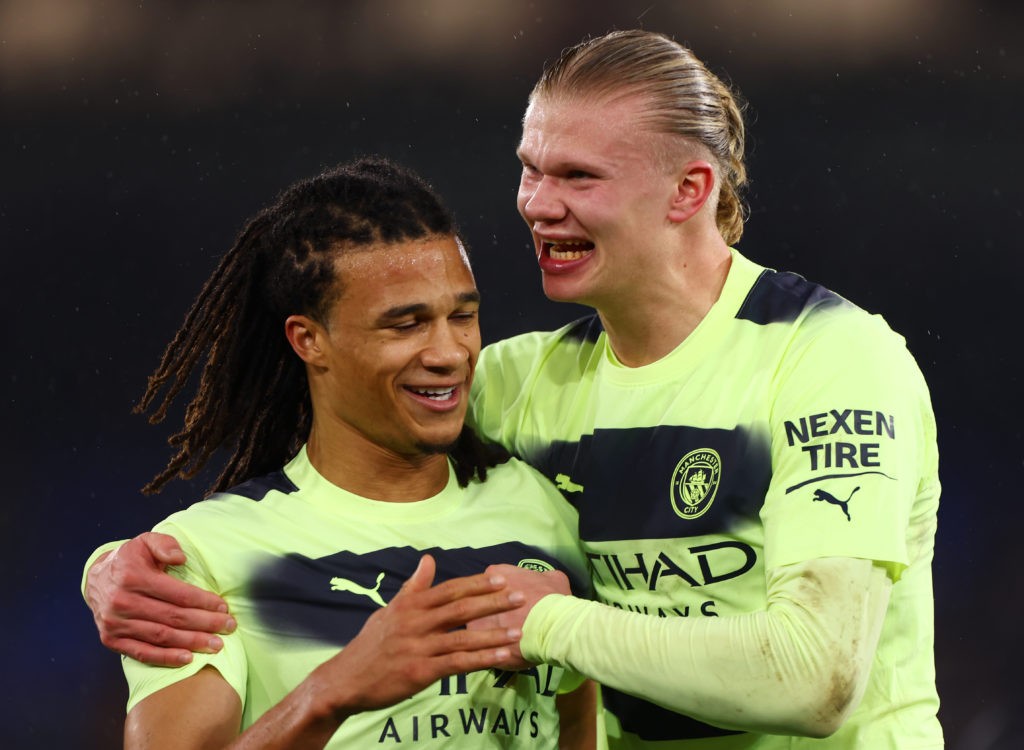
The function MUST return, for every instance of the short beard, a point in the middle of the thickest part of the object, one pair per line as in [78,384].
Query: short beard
[431,449]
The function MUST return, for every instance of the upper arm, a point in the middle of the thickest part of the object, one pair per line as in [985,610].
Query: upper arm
[849,437]
[201,711]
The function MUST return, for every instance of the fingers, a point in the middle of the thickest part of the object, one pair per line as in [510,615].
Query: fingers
[163,547]
[165,588]
[118,631]
[127,608]
[134,568]
[142,611]
[467,651]
[464,602]
[456,589]
[435,615]
[147,654]
[422,577]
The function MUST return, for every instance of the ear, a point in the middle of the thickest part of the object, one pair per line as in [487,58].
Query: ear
[306,337]
[694,186]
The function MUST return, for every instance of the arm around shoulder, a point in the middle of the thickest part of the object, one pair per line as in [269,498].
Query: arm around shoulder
[142,611]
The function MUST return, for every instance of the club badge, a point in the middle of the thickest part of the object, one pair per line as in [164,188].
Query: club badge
[695,482]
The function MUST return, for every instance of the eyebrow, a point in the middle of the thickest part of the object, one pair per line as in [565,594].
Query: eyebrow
[565,165]
[418,308]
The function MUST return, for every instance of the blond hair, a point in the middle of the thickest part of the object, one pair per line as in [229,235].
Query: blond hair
[684,99]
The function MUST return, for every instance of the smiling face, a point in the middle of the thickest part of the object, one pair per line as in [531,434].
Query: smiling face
[596,194]
[400,346]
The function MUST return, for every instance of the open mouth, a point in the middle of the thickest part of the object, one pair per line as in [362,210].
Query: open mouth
[434,394]
[567,250]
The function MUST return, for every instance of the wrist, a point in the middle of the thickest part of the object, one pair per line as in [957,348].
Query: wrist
[324,701]
[536,628]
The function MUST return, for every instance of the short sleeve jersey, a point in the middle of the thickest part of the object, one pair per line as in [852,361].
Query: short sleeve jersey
[303,564]
[790,425]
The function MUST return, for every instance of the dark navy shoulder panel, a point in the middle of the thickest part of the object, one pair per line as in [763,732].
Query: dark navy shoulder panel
[780,297]
[585,329]
[329,598]
[621,479]
[258,487]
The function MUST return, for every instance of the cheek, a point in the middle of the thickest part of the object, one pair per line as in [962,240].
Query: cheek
[473,342]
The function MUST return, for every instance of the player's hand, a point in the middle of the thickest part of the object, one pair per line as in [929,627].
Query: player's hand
[534,586]
[142,611]
[416,640]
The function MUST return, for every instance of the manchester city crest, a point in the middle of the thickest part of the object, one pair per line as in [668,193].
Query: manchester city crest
[531,563]
[695,482]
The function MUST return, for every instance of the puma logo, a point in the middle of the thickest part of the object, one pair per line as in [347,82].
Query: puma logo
[344,584]
[828,498]
[565,484]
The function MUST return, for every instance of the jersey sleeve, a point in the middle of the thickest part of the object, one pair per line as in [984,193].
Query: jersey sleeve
[850,426]
[230,661]
[799,667]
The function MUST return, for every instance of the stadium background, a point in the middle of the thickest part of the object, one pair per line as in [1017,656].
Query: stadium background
[137,137]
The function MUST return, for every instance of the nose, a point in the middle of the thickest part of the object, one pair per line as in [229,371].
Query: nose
[448,348]
[539,200]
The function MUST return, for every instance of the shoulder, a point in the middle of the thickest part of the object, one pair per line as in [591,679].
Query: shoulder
[581,334]
[813,314]
[250,502]
[785,297]
[515,362]
[515,483]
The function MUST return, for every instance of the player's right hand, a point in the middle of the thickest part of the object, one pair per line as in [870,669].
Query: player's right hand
[414,641]
[142,611]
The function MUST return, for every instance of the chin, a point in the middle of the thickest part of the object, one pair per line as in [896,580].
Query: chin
[560,292]
[427,448]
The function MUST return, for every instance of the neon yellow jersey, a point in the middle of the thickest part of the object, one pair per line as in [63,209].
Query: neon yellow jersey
[303,563]
[789,426]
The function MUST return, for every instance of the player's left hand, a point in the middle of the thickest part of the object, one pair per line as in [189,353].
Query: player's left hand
[534,586]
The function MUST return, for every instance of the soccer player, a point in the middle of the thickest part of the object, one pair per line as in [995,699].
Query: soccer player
[339,338]
[753,457]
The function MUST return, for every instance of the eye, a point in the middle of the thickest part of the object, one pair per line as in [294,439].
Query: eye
[406,326]
[530,171]
[578,174]
[465,316]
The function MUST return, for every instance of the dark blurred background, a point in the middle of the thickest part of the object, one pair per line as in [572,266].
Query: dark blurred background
[137,137]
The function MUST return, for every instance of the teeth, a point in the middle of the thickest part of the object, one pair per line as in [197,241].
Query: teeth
[437,394]
[557,253]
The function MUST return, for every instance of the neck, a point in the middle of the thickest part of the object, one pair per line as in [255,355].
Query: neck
[366,469]
[662,314]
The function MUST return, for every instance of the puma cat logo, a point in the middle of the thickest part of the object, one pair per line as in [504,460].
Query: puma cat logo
[344,584]
[843,504]
[564,483]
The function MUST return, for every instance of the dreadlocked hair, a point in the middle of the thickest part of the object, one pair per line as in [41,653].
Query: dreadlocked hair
[252,399]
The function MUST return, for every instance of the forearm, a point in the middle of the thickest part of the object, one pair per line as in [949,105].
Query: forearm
[799,667]
[302,721]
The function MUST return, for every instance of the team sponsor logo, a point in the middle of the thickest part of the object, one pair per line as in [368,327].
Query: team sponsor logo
[345,584]
[695,483]
[821,495]
[840,438]
[480,721]
[531,563]
[701,565]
